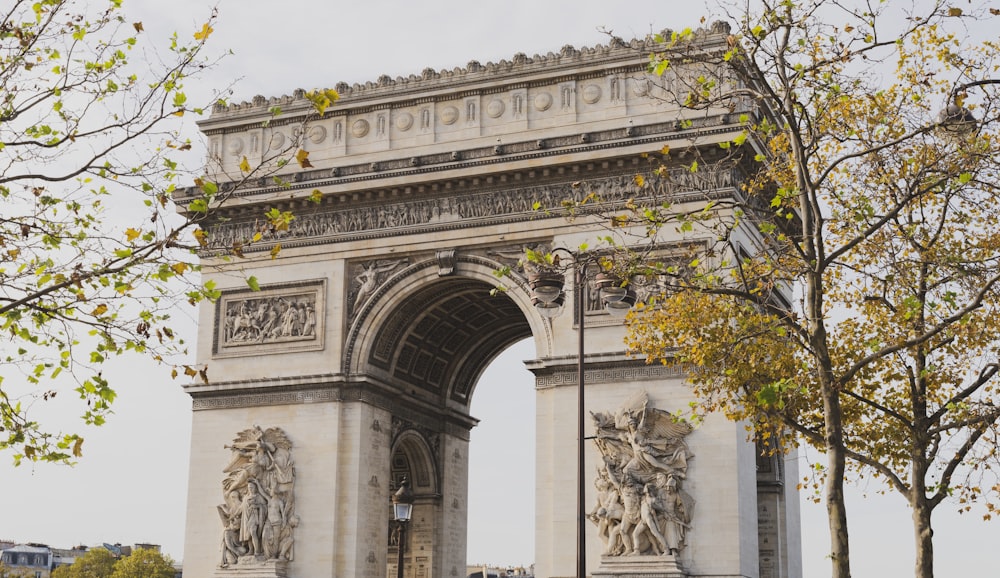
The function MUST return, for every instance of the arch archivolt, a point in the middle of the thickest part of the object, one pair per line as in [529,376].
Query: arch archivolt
[434,326]
[414,455]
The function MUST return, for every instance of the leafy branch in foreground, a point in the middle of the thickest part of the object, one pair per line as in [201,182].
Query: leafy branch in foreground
[93,255]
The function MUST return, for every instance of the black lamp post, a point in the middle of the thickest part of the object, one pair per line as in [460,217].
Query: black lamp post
[402,510]
[547,296]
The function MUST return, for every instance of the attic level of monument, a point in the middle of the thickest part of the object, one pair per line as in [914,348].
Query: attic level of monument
[563,109]
[585,62]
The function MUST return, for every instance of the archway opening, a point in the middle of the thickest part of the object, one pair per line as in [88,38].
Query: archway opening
[431,348]
[502,463]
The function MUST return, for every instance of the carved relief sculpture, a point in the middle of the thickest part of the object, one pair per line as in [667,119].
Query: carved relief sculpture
[269,319]
[258,515]
[367,277]
[389,217]
[641,507]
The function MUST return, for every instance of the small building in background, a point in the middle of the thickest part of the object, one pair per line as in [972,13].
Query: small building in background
[27,561]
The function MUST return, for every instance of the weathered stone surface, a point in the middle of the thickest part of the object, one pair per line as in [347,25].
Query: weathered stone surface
[639,567]
[375,321]
[253,568]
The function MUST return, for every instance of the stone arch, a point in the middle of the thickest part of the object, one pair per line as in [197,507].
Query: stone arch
[433,333]
[413,456]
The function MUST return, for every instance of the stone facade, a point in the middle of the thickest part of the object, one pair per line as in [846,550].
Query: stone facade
[375,321]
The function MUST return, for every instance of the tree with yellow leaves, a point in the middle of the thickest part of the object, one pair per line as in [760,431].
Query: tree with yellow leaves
[89,128]
[850,296]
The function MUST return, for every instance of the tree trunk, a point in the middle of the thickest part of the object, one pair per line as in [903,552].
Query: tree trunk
[836,509]
[923,536]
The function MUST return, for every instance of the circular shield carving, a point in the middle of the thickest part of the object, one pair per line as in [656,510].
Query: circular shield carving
[360,128]
[317,134]
[404,121]
[543,101]
[495,108]
[449,115]
[277,140]
[591,94]
[640,86]
[235,146]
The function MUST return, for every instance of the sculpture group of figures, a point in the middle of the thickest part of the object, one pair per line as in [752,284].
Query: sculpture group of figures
[259,510]
[270,319]
[641,507]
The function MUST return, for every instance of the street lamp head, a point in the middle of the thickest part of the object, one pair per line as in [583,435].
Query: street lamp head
[546,286]
[957,119]
[620,306]
[612,294]
[551,309]
[402,502]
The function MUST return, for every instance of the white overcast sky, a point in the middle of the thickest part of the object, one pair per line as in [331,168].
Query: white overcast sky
[131,485]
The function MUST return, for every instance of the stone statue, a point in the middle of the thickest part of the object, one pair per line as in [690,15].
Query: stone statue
[641,507]
[258,513]
[253,512]
[607,513]
[368,280]
[676,511]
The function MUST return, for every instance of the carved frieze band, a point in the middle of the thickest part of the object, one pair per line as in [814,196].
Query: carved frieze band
[619,374]
[462,210]
[266,398]
[275,319]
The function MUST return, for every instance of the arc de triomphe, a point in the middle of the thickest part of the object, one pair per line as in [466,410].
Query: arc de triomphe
[355,362]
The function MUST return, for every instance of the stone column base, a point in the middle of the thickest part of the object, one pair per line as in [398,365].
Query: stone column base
[250,567]
[639,567]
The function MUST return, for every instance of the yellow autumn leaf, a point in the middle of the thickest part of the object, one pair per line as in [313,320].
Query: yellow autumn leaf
[302,157]
[131,234]
[639,180]
[275,250]
[179,268]
[205,31]
[245,165]
[322,99]
[99,310]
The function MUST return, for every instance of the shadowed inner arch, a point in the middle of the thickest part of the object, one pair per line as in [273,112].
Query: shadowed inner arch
[442,337]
